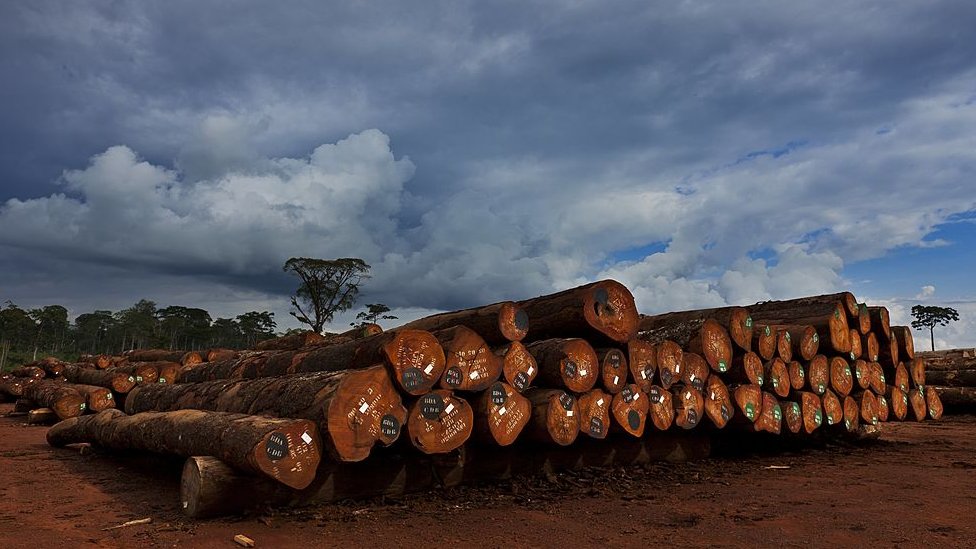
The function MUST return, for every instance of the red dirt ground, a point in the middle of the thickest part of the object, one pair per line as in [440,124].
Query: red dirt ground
[916,487]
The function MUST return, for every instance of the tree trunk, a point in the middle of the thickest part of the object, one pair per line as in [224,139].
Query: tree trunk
[735,320]
[867,404]
[555,417]
[933,403]
[856,350]
[916,372]
[568,363]
[862,374]
[828,314]
[14,386]
[613,369]
[877,378]
[718,402]
[951,359]
[883,409]
[811,409]
[704,336]
[642,363]
[951,378]
[784,344]
[500,414]
[292,342]
[286,450]
[141,372]
[354,409]
[65,401]
[879,322]
[888,355]
[872,351]
[594,406]
[439,422]
[470,364]
[818,374]
[689,406]
[792,416]
[629,410]
[519,367]
[118,382]
[771,418]
[906,343]
[917,405]
[599,311]
[498,324]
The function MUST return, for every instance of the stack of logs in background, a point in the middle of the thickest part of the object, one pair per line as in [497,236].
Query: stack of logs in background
[576,378]
[952,374]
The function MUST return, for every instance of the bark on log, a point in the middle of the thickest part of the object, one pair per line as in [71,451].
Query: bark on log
[613,369]
[833,408]
[42,416]
[470,365]
[568,363]
[354,409]
[951,378]
[951,359]
[689,405]
[748,401]
[14,386]
[669,356]
[764,341]
[747,368]
[841,380]
[291,342]
[694,370]
[879,322]
[704,336]
[65,401]
[897,403]
[500,414]
[119,382]
[777,377]
[906,343]
[53,367]
[798,378]
[628,409]
[594,406]
[598,311]
[718,402]
[735,320]
[519,367]
[358,332]
[660,408]
[286,450]
[957,399]
[97,398]
[642,363]
[498,323]
[439,422]
[555,417]
[213,355]
[33,372]
[828,314]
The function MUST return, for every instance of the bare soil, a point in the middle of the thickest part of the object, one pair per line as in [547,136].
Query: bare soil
[916,487]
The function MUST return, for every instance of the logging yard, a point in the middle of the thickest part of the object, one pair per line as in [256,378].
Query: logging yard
[566,419]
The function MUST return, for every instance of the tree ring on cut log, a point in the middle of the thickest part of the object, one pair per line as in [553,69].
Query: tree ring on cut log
[669,357]
[417,352]
[609,307]
[448,431]
[740,328]
[715,344]
[513,321]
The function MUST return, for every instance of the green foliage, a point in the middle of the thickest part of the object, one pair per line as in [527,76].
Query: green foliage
[930,316]
[373,313]
[327,287]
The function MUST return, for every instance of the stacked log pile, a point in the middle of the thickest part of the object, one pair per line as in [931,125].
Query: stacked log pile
[951,375]
[559,381]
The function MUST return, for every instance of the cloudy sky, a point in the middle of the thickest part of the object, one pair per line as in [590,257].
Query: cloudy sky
[702,153]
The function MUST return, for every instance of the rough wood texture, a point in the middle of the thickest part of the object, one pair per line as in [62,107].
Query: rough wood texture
[689,405]
[803,337]
[777,377]
[694,370]
[354,409]
[906,343]
[951,378]
[884,411]
[629,410]
[500,414]
[53,367]
[771,418]
[956,399]
[878,379]
[792,416]
[747,368]
[669,357]
[867,404]
[828,314]
[498,323]
[735,320]
[718,402]
[65,401]
[555,417]
[916,372]
[856,350]
[97,361]
[872,350]
[917,407]
[119,382]
[213,355]
[888,354]
[14,386]
[950,359]
[291,342]
[365,330]
[470,364]
[704,336]
[832,407]
[841,380]
[286,450]
[439,422]
[798,378]
[879,322]
[764,341]
[33,372]
[660,408]
[784,345]
[613,369]
[811,408]
[748,401]
[862,374]
[598,311]
[568,363]
[519,367]
[594,406]
[141,372]
[642,363]
[897,402]
[852,413]
[818,374]
[97,398]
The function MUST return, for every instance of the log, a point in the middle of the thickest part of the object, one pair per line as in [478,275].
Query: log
[97,398]
[841,380]
[598,311]
[770,419]
[14,386]
[613,369]
[629,409]
[358,332]
[118,382]
[863,319]
[748,401]
[169,372]
[694,370]
[828,314]
[856,350]
[747,368]
[213,355]
[957,399]
[42,416]
[777,377]
[798,378]
[286,450]
[803,337]
[354,409]
[884,411]
[594,406]
[901,378]
[555,417]
[53,367]
[897,402]
[888,354]
[33,372]
[500,414]
[689,405]
[862,374]
[291,342]
[519,367]
[872,350]
[660,408]
[877,378]
[718,402]
[867,404]
[470,364]
[811,409]
[669,356]
[784,345]
[833,408]
[916,372]
[818,374]
[141,372]
[642,363]
[498,323]
[98,361]
[792,416]
[439,422]
[951,378]
[568,363]
[704,336]
[65,401]
[916,403]
[879,322]
[764,341]
[951,359]
[906,343]
[734,320]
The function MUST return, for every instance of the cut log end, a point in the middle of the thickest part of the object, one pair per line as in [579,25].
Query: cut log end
[470,365]
[689,406]
[366,408]
[513,321]
[290,454]
[812,409]
[613,369]
[609,307]
[833,408]
[933,403]
[897,402]
[714,344]
[906,343]
[555,416]
[503,412]
[660,408]
[764,341]
[917,405]
[694,370]
[798,378]
[439,422]
[642,363]
[818,374]
[669,356]
[595,406]
[519,367]
[718,402]
[777,377]
[740,328]
[417,359]
[748,401]
[771,417]
[841,380]
[792,416]
[629,410]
